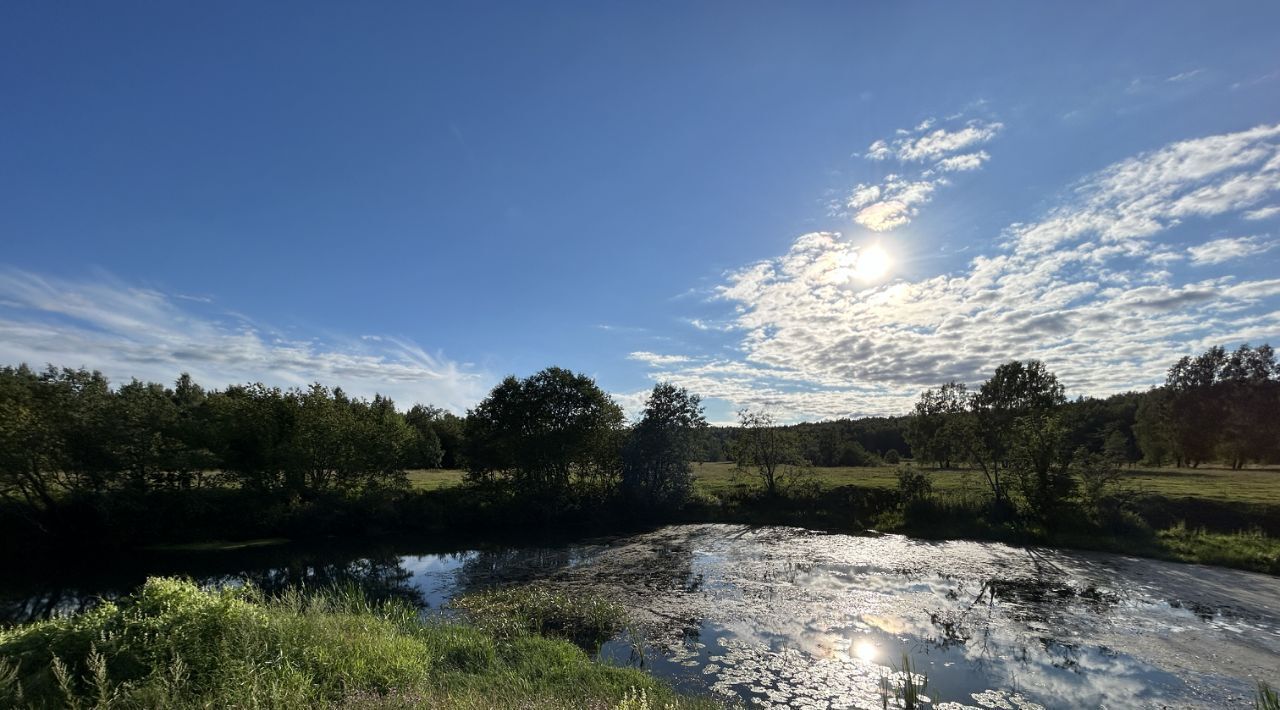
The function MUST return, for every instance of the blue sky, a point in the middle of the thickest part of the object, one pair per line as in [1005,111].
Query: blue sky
[815,208]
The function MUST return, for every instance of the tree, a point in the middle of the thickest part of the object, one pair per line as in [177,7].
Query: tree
[656,468]
[1250,384]
[1152,427]
[1015,407]
[933,430]
[544,433]
[764,449]
[1195,408]
[426,450]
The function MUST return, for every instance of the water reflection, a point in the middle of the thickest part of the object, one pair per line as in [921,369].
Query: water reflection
[787,617]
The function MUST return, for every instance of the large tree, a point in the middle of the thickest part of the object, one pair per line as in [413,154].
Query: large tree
[932,431]
[546,432]
[1013,420]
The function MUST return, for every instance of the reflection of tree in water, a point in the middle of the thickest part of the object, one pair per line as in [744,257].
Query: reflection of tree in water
[381,577]
[511,566]
[47,602]
[1037,599]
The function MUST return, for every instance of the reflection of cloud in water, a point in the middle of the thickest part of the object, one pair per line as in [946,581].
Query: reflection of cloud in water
[787,616]
[786,607]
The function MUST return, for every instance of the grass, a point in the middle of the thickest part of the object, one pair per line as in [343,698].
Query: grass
[174,645]
[1251,485]
[1258,485]
[1244,550]
[433,479]
[586,619]
[1267,699]
[1206,515]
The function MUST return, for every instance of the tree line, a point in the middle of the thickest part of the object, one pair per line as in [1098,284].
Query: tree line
[555,439]
[67,435]
[1030,443]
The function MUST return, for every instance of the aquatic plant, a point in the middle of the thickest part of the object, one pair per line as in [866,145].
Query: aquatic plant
[586,619]
[1267,698]
[905,686]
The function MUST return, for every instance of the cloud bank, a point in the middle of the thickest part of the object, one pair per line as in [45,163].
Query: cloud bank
[1084,289]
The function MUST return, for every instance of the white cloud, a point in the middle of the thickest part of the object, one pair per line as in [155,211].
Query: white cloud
[891,205]
[127,332]
[896,200]
[879,150]
[1262,213]
[1075,289]
[1220,250]
[932,146]
[916,145]
[965,162]
[1144,195]
[656,358]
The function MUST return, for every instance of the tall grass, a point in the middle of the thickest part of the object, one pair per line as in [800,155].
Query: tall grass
[174,645]
[1247,549]
[1267,698]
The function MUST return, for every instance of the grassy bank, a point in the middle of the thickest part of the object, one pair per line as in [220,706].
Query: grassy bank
[174,645]
[1213,516]
[1208,516]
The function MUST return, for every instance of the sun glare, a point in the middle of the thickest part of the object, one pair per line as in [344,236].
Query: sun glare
[873,263]
[865,650]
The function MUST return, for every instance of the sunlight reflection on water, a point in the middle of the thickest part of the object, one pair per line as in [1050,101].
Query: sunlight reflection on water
[784,617]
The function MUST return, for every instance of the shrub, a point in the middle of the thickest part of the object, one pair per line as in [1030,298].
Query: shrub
[914,484]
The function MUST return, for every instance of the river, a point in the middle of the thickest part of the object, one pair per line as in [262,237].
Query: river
[786,617]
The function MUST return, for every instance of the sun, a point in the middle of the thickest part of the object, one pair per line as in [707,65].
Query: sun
[865,650]
[873,263]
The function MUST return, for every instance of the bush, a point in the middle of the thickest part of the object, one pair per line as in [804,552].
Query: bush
[914,484]
[892,457]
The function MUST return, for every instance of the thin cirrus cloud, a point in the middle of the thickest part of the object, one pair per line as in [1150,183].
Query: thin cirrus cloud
[127,332]
[895,201]
[1085,289]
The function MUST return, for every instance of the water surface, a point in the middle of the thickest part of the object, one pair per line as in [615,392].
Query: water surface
[785,617]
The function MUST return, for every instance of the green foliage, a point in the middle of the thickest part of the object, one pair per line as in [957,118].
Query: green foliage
[1267,699]
[905,689]
[67,440]
[914,484]
[439,436]
[765,450]
[1221,405]
[174,645]
[656,469]
[545,433]
[932,430]
[586,619]
[1250,549]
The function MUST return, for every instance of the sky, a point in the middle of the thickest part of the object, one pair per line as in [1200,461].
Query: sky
[817,209]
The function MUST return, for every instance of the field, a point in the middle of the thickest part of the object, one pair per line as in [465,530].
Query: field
[1222,485]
